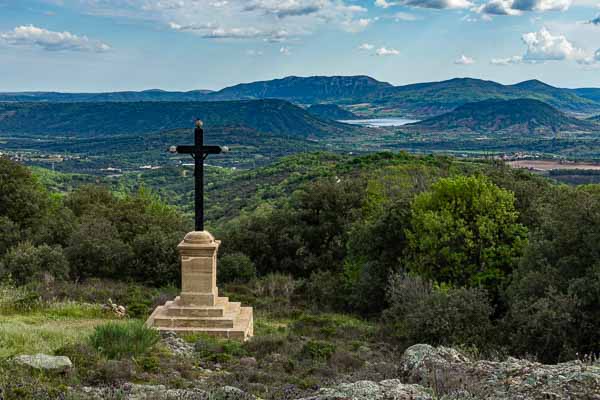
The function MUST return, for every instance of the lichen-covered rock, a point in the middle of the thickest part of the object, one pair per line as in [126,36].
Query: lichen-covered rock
[177,345]
[230,393]
[131,391]
[391,389]
[45,362]
[451,373]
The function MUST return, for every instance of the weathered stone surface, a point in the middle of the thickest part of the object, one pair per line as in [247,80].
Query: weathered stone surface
[391,389]
[45,362]
[177,345]
[159,392]
[230,393]
[453,374]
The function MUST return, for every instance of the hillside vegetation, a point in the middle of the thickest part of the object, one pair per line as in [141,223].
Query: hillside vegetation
[88,119]
[347,261]
[521,116]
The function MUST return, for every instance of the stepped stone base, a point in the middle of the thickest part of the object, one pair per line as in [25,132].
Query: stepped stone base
[199,307]
[227,320]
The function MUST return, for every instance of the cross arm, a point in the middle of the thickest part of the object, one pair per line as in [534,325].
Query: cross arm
[192,149]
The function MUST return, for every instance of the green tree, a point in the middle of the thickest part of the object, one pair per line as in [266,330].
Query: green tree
[465,232]
[27,263]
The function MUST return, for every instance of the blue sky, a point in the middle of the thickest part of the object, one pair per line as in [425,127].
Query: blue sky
[106,45]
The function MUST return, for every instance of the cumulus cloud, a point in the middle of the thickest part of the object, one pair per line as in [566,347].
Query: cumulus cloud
[543,46]
[32,36]
[517,7]
[435,4]
[464,60]
[366,46]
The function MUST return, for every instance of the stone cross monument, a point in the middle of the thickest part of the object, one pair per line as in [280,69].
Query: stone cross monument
[199,308]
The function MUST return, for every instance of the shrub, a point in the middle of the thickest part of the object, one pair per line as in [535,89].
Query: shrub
[119,340]
[325,291]
[236,267]
[546,328]
[28,263]
[318,350]
[423,313]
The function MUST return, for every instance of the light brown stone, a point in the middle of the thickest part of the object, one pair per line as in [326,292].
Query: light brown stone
[199,307]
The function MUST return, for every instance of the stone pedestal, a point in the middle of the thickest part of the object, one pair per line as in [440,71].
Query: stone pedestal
[199,307]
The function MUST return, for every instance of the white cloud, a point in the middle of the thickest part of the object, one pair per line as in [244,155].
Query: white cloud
[507,61]
[286,8]
[435,4]
[286,51]
[544,46]
[366,46]
[384,51]
[32,36]
[239,19]
[254,53]
[464,60]
[517,7]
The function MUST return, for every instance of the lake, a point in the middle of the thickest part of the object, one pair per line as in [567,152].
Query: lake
[380,122]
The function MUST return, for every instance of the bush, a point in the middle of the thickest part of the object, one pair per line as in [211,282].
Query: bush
[325,291]
[422,313]
[545,328]
[236,267]
[119,340]
[28,263]
[318,350]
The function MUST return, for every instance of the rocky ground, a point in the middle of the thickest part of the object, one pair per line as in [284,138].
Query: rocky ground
[425,372]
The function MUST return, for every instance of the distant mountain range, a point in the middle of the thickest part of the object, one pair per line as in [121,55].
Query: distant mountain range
[360,94]
[520,116]
[144,95]
[92,119]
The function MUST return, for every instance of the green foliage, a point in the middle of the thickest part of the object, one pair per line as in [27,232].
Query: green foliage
[26,263]
[465,231]
[22,199]
[236,267]
[318,350]
[120,340]
[420,312]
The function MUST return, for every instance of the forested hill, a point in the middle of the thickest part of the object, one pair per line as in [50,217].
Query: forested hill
[85,119]
[331,112]
[522,116]
[306,89]
[435,98]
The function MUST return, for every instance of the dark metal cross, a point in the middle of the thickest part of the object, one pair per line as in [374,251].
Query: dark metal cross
[199,152]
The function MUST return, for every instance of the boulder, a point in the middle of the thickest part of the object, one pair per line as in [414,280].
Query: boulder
[391,389]
[45,362]
[451,373]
